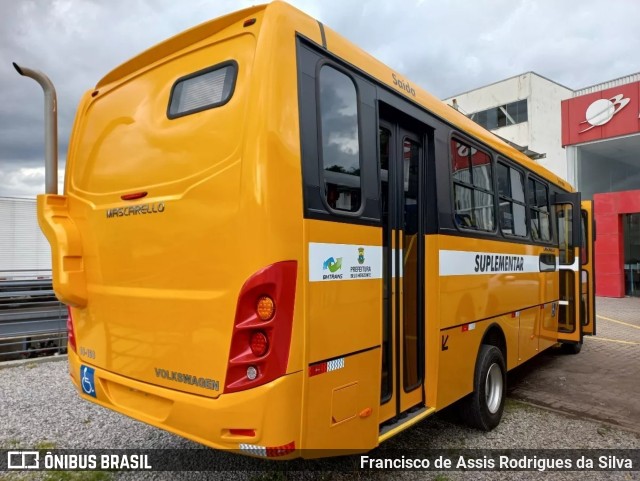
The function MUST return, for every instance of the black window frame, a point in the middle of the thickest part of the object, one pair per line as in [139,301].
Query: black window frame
[536,208]
[457,137]
[584,237]
[204,71]
[321,168]
[482,117]
[502,161]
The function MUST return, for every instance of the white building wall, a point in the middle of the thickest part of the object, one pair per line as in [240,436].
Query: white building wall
[542,132]
[545,122]
[24,251]
[499,93]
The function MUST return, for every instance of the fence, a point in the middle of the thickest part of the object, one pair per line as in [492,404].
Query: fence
[32,321]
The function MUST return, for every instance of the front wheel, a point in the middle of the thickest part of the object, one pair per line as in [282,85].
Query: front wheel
[482,409]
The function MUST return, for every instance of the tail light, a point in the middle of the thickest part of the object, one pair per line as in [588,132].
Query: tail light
[71,332]
[261,336]
[259,343]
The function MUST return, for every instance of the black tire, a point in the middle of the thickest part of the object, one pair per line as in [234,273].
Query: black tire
[479,410]
[571,347]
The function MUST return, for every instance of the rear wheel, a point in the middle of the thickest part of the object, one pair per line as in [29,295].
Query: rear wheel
[571,347]
[482,409]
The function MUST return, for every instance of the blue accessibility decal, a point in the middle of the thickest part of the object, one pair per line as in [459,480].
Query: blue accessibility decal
[87,380]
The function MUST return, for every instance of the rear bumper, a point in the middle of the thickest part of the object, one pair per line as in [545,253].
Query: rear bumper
[272,410]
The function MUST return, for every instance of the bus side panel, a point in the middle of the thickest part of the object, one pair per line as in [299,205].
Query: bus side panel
[528,333]
[548,326]
[341,407]
[587,276]
[475,286]
[344,329]
[343,313]
[433,339]
[458,360]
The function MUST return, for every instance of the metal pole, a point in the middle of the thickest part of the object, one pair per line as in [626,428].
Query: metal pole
[50,127]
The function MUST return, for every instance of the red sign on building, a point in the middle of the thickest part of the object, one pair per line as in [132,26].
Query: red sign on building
[601,115]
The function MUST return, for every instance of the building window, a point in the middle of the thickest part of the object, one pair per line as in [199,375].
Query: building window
[340,140]
[502,116]
[472,187]
[539,209]
[513,217]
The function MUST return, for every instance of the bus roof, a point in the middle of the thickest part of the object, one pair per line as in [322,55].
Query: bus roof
[176,43]
[343,48]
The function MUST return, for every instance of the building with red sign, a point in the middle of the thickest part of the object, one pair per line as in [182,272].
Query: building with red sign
[601,134]
[599,129]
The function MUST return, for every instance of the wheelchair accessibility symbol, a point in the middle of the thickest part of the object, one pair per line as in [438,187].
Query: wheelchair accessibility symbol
[87,380]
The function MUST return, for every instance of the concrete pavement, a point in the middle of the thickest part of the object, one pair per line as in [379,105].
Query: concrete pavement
[602,382]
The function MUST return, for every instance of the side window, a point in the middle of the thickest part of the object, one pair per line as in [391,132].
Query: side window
[512,214]
[539,209]
[340,140]
[472,187]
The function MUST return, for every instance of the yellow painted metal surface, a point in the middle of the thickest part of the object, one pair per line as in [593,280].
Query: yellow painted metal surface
[154,282]
[273,410]
[342,316]
[529,332]
[333,403]
[548,326]
[469,298]
[520,304]
[69,280]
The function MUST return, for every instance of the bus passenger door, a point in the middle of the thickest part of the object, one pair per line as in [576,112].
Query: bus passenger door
[401,171]
[570,311]
[587,268]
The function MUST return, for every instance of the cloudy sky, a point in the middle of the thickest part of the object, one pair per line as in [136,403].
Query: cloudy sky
[446,47]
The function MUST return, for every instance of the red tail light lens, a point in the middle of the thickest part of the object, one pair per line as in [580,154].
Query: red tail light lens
[243,432]
[261,336]
[71,333]
[259,343]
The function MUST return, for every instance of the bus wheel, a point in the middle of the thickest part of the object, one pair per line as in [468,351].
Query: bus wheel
[571,347]
[482,409]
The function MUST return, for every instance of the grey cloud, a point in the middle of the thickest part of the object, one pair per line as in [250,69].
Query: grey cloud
[445,47]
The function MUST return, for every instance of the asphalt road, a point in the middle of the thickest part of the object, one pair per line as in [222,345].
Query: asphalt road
[603,381]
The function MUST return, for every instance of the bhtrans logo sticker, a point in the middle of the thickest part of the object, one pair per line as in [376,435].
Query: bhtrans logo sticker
[344,262]
[333,265]
[602,111]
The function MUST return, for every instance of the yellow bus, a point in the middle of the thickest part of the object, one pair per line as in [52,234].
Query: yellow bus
[271,242]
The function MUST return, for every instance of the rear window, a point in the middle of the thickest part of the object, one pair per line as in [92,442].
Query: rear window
[202,90]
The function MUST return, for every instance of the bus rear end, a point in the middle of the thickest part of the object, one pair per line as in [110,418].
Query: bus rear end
[181,312]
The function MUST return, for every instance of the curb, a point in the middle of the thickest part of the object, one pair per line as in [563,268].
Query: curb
[576,415]
[35,360]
